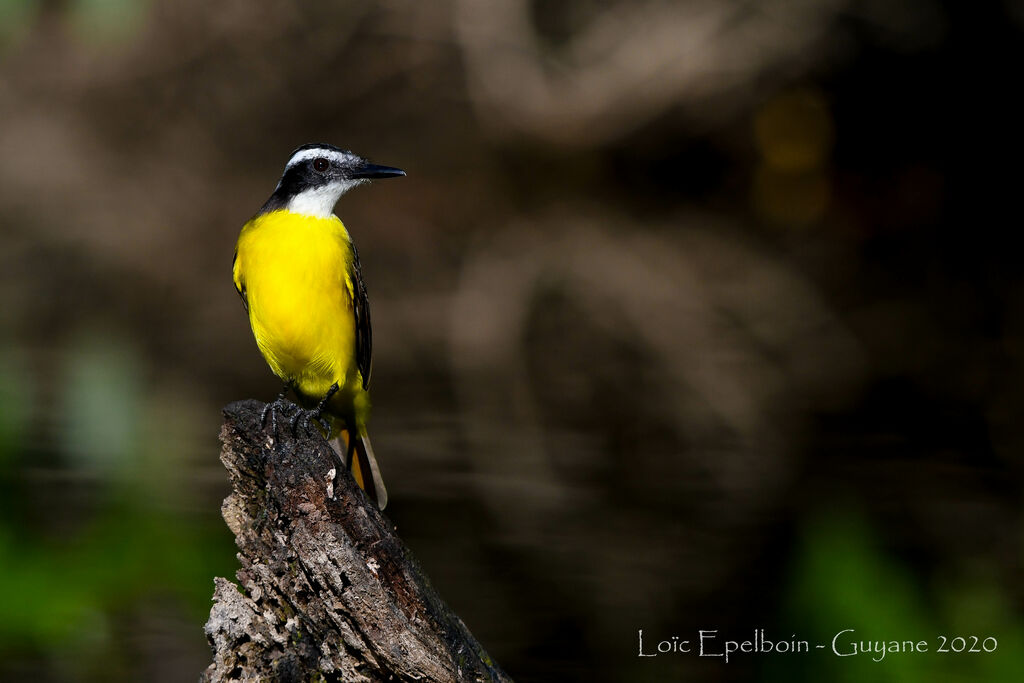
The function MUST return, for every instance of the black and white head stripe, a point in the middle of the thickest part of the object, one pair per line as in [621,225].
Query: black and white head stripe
[330,152]
[317,175]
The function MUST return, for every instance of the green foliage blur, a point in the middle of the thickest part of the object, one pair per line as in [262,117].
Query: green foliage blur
[842,579]
[71,582]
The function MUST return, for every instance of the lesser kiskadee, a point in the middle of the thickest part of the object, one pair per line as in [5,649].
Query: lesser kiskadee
[298,273]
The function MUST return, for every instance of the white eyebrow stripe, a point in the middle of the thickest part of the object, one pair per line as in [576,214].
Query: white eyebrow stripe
[307,154]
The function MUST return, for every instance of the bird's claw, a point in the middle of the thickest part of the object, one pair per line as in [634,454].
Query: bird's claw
[302,416]
[281,406]
[308,418]
[316,414]
[325,423]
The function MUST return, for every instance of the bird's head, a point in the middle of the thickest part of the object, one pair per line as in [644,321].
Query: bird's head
[317,175]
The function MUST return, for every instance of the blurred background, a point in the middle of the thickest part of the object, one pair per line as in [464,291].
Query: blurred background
[689,315]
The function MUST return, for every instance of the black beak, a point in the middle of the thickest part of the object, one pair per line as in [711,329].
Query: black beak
[375,171]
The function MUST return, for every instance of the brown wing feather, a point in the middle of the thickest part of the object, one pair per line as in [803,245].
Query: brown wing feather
[361,311]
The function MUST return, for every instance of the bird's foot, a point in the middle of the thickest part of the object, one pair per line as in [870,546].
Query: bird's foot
[309,417]
[279,406]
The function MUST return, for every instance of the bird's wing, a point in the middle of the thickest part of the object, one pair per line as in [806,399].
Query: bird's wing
[236,274]
[361,311]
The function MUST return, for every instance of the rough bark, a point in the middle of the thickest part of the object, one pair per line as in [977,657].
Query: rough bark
[327,591]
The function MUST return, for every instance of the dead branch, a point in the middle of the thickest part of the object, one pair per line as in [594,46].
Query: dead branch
[327,591]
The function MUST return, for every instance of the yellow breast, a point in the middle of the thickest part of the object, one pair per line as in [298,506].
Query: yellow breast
[294,271]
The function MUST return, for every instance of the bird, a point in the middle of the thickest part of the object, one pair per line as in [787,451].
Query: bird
[298,273]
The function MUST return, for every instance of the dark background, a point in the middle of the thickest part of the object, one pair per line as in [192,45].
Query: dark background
[695,315]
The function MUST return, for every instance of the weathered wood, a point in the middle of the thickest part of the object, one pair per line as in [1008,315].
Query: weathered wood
[327,591]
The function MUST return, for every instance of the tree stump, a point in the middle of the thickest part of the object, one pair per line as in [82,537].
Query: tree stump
[327,591]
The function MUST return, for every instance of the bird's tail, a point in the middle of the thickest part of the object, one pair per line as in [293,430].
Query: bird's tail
[357,454]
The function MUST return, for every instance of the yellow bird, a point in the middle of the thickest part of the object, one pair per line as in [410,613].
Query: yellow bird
[298,274]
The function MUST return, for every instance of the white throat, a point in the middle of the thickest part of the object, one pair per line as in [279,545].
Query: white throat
[319,201]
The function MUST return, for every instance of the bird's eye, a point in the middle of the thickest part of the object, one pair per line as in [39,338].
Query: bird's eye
[320,164]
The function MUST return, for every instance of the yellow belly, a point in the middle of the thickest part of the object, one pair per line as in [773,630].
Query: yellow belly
[295,273]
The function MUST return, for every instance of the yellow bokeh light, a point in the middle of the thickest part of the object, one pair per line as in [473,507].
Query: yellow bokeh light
[794,130]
